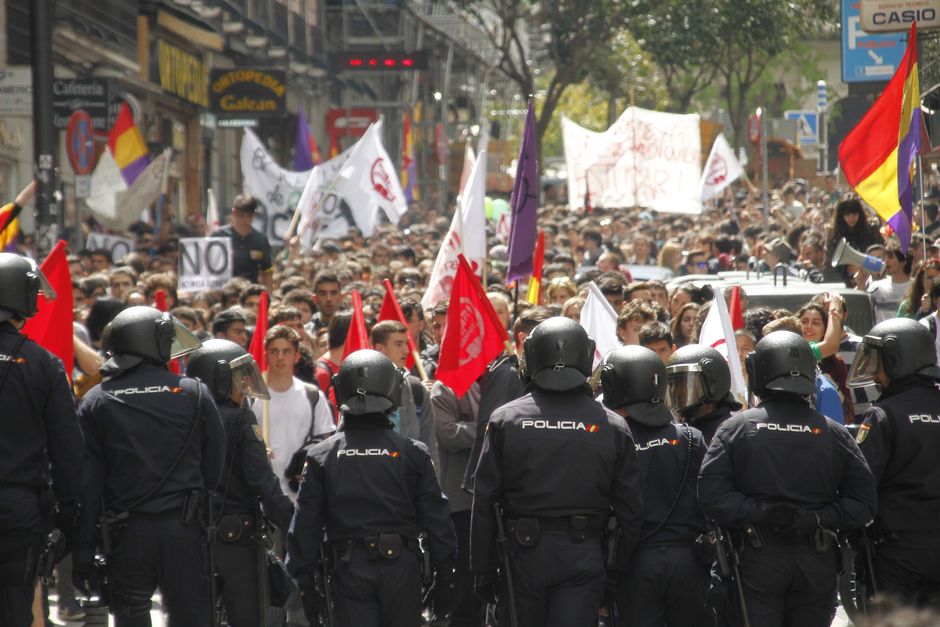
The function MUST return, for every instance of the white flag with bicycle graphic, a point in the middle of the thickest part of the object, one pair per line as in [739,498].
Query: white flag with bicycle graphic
[276,189]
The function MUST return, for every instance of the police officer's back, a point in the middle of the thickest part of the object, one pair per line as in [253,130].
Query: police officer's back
[155,445]
[372,490]
[785,476]
[558,462]
[232,375]
[900,437]
[665,580]
[37,429]
[700,388]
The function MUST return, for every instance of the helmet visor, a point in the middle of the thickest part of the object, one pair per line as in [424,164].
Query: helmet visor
[685,386]
[183,340]
[866,364]
[246,378]
[45,288]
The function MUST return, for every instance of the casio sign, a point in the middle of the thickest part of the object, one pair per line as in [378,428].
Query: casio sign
[887,16]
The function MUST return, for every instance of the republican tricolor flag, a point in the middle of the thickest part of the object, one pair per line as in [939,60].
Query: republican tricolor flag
[127,146]
[408,171]
[878,155]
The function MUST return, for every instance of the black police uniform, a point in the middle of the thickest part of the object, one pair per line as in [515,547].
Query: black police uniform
[709,423]
[248,478]
[135,426]
[666,580]
[368,486]
[785,452]
[900,437]
[37,428]
[250,254]
[554,457]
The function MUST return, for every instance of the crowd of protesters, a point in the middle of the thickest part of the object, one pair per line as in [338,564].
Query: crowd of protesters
[309,294]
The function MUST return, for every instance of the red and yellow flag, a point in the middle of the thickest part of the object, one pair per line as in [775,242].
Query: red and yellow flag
[534,295]
[879,154]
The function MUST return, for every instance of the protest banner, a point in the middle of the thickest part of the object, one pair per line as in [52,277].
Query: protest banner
[205,263]
[118,246]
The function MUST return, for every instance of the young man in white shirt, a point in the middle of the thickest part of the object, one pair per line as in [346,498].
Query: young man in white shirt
[887,293]
[932,321]
[290,415]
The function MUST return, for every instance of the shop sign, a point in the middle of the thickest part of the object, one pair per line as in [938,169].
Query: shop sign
[182,74]
[250,93]
[16,90]
[89,95]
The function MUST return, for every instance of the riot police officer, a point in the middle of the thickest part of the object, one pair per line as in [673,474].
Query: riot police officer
[665,581]
[154,446]
[786,477]
[373,491]
[700,388]
[240,558]
[556,462]
[37,428]
[900,436]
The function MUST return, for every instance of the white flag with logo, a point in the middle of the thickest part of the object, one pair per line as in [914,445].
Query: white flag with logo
[468,160]
[467,236]
[718,333]
[721,169]
[600,321]
[323,214]
[369,183]
[115,204]
[212,213]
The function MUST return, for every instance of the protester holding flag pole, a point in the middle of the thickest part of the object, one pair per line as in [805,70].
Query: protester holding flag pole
[260,355]
[391,310]
[524,207]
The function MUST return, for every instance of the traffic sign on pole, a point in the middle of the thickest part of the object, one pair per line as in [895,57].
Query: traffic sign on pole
[866,57]
[807,127]
[80,142]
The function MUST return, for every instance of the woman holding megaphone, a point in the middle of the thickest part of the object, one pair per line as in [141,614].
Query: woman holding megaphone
[851,222]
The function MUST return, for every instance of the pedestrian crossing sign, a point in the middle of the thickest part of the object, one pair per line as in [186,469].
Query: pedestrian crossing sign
[807,125]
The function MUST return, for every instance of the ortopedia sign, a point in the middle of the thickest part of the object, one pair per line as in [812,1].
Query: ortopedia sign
[890,16]
[247,93]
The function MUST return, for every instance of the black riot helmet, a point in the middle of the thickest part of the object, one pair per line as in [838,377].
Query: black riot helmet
[698,375]
[904,347]
[634,378]
[367,383]
[781,362]
[21,281]
[145,334]
[225,366]
[558,354]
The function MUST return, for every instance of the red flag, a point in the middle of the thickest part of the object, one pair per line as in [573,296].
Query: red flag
[391,310]
[51,327]
[261,329]
[737,319]
[159,301]
[473,337]
[358,337]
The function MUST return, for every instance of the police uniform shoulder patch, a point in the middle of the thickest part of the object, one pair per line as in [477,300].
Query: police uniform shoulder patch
[258,434]
[862,433]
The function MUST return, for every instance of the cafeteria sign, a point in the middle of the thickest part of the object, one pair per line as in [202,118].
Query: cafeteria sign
[244,93]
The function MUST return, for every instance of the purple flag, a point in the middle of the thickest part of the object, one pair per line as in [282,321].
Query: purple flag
[303,159]
[524,204]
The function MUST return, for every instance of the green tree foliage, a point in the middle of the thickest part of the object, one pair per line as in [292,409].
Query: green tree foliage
[562,38]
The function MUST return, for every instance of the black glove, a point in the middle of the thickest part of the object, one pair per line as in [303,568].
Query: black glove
[311,603]
[85,574]
[443,591]
[484,585]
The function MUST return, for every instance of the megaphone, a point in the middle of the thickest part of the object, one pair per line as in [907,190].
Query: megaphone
[845,255]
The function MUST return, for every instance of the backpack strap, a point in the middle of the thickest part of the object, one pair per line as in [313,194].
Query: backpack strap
[313,396]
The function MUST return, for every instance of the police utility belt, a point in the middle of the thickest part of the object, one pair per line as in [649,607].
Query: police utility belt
[821,540]
[527,531]
[378,546]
